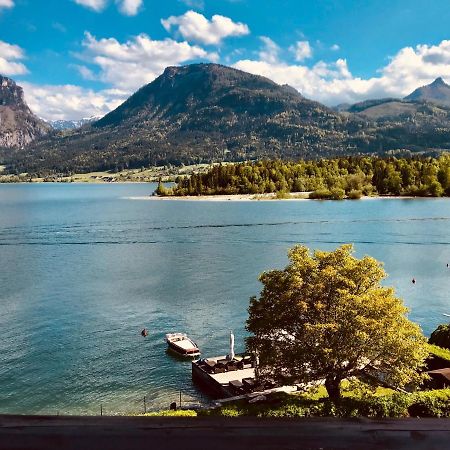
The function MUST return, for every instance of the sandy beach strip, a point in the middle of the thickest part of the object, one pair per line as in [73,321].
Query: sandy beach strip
[220,198]
[296,197]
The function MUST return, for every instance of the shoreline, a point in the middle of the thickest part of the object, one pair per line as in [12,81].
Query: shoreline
[297,197]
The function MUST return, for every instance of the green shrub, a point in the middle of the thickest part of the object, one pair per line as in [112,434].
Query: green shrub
[430,404]
[337,194]
[320,194]
[354,195]
[440,352]
[435,403]
[281,195]
[170,413]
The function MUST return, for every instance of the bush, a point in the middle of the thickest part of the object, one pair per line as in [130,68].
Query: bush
[440,352]
[337,194]
[171,413]
[281,195]
[420,404]
[354,195]
[320,194]
[430,404]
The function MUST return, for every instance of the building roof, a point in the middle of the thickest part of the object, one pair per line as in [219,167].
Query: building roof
[442,372]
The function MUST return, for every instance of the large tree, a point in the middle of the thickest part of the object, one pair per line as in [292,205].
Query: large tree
[327,317]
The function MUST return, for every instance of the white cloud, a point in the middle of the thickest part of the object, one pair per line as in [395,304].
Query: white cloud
[53,102]
[96,5]
[333,83]
[196,27]
[129,7]
[126,7]
[6,4]
[85,72]
[10,56]
[270,51]
[335,47]
[301,50]
[138,61]
[197,4]
[124,67]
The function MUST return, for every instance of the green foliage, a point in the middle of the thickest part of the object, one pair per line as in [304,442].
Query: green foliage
[440,352]
[349,177]
[170,413]
[320,194]
[355,194]
[281,195]
[337,193]
[161,189]
[441,336]
[420,404]
[430,404]
[327,316]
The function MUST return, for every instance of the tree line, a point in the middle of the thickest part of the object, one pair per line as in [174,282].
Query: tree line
[336,178]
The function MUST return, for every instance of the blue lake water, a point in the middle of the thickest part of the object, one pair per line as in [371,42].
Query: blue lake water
[83,268]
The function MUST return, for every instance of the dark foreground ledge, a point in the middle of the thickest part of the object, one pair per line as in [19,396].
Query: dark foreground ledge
[53,432]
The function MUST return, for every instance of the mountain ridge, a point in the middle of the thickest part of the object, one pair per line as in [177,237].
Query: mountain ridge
[437,92]
[208,113]
[72,124]
[198,113]
[18,125]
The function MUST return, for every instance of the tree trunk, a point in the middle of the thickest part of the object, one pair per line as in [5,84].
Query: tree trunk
[333,387]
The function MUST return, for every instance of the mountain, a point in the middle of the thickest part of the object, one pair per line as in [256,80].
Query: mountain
[431,99]
[197,113]
[61,125]
[18,125]
[438,92]
[385,110]
[205,113]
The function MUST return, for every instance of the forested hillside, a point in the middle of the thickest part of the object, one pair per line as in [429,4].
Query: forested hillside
[207,113]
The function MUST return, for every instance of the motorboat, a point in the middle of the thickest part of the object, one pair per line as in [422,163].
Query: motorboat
[182,345]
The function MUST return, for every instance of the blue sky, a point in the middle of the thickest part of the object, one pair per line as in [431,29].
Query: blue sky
[77,58]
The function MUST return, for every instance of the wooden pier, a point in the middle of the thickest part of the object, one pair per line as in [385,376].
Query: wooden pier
[220,377]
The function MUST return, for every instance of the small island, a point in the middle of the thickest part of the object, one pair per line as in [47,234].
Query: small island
[351,177]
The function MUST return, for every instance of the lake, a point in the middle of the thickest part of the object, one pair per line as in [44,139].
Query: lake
[84,268]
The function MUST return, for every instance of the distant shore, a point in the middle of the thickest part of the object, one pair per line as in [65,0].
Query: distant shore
[219,198]
[144,175]
[298,196]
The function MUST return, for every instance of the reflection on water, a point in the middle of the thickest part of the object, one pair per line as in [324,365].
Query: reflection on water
[84,269]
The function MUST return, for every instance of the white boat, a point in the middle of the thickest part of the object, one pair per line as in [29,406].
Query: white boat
[182,344]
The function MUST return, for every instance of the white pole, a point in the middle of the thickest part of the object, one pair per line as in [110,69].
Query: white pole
[256,364]
[231,345]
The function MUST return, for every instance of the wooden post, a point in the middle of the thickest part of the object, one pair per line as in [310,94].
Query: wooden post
[180,398]
[145,406]
[101,409]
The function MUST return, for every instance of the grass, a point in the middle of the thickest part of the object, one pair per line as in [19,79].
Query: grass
[439,352]
[358,400]
[170,413]
[143,175]
[381,404]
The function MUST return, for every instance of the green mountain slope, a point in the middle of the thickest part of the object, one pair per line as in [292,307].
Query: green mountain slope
[208,112]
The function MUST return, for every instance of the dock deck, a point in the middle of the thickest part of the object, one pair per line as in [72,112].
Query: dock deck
[222,378]
[239,375]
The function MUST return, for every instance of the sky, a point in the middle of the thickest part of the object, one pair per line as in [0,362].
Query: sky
[82,58]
